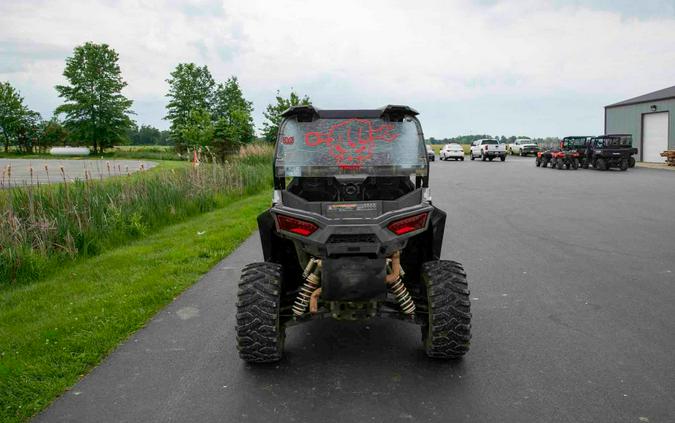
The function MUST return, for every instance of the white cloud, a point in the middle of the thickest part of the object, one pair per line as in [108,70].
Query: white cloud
[353,52]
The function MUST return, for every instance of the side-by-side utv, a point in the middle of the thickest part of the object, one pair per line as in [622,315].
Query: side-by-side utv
[607,151]
[352,234]
[578,144]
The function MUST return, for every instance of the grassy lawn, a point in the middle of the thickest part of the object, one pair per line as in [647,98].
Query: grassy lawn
[54,331]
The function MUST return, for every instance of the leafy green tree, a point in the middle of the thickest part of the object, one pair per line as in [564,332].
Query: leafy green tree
[95,109]
[191,89]
[273,113]
[12,111]
[233,113]
[29,131]
[53,134]
[197,131]
[145,135]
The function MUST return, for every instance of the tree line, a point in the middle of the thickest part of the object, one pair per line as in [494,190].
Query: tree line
[202,112]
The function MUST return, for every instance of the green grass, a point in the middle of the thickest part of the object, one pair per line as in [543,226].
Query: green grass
[42,228]
[54,331]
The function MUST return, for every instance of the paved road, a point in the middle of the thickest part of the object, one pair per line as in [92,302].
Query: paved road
[15,172]
[573,286]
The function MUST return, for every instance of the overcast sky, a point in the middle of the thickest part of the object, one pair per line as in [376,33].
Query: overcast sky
[538,68]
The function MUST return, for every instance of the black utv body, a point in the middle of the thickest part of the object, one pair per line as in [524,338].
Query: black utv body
[607,151]
[352,234]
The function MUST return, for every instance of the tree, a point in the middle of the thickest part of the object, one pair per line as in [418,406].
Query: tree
[95,109]
[233,113]
[191,89]
[29,131]
[196,131]
[12,111]
[145,135]
[53,134]
[273,113]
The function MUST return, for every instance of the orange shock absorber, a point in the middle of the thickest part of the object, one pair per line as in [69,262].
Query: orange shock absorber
[312,279]
[397,287]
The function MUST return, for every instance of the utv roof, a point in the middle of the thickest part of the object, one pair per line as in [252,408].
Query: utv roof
[390,112]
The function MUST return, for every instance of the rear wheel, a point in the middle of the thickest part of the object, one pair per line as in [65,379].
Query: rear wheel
[482,156]
[623,164]
[472,157]
[490,158]
[601,164]
[447,333]
[260,335]
[575,164]
[537,162]
[544,162]
[631,162]
[502,158]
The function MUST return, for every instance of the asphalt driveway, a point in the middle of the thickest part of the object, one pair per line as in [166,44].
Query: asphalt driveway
[573,284]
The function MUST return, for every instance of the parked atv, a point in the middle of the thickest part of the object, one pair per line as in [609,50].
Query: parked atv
[558,158]
[607,151]
[578,144]
[352,234]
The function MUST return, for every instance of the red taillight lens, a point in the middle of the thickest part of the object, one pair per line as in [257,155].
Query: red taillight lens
[408,224]
[296,226]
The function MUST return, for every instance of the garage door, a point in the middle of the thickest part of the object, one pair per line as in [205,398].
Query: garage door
[654,136]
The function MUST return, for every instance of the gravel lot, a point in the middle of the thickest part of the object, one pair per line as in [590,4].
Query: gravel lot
[573,285]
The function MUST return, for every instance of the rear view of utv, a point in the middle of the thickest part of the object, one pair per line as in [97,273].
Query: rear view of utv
[352,234]
[608,151]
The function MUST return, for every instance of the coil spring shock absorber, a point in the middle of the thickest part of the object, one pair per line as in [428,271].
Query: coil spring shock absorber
[312,280]
[397,287]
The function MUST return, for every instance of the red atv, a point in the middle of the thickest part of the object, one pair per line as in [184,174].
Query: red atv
[558,157]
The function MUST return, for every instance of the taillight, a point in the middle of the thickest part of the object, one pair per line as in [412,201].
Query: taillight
[408,224]
[296,226]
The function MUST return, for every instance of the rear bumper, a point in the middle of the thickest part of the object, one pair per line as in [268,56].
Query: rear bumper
[357,236]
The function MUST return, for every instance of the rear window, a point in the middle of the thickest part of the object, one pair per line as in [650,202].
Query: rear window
[574,142]
[491,142]
[614,141]
[329,147]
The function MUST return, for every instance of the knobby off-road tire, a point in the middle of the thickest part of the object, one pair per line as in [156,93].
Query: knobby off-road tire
[447,333]
[624,165]
[631,162]
[601,164]
[537,162]
[260,336]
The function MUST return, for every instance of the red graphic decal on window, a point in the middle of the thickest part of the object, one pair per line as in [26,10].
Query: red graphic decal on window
[287,140]
[352,141]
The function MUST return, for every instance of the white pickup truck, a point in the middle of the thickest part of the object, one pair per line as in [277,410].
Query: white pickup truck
[523,147]
[488,149]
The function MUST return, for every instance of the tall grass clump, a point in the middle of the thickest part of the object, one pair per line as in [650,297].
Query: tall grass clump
[44,227]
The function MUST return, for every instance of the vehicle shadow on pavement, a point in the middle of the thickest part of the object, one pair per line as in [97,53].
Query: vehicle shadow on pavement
[360,367]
